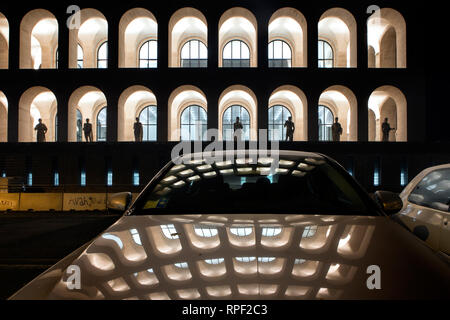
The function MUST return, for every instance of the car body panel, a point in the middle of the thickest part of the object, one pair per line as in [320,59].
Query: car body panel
[282,257]
[429,224]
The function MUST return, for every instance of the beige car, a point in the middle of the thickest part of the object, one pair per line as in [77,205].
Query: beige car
[426,207]
[250,225]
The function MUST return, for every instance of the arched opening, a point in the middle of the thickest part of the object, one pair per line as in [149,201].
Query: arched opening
[87,102]
[294,100]
[91,35]
[3,118]
[180,99]
[342,103]
[238,24]
[388,102]
[37,103]
[386,37]
[278,115]
[137,102]
[290,26]
[38,40]
[4,42]
[187,24]
[243,104]
[138,39]
[337,27]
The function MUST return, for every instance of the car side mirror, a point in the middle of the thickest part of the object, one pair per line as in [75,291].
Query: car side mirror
[390,202]
[119,201]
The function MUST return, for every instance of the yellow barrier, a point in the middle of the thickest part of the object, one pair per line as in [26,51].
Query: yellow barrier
[9,201]
[40,201]
[54,201]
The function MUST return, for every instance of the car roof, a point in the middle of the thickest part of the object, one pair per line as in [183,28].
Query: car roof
[294,155]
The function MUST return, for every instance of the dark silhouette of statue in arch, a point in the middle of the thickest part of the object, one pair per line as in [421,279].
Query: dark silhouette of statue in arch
[87,128]
[336,130]
[386,129]
[290,128]
[238,127]
[138,131]
[41,130]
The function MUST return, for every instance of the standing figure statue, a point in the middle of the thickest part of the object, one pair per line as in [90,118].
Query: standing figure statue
[290,128]
[237,127]
[41,131]
[138,131]
[87,128]
[336,130]
[386,128]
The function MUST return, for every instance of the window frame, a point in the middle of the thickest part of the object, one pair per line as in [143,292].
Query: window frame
[149,125]
[232,121]
[242,62]
[270,122]
[324,60]
[99,60]
[148,60]
[99,127]
[283,42]
[322,125]
[191,60]
[204,126]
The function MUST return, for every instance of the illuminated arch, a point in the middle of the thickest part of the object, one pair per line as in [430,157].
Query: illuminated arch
[289,25]
[38,40]
[337,26]
[245,97]
[239,24]
[184,25]
[180,99]
[35,103]
[295,101]
[89,101]
[388,102]
[4,42]
[386,37]
[343,104]
[93,32]
[136,26]
[131,102]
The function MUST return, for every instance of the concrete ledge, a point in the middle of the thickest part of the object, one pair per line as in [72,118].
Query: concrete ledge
[40,201]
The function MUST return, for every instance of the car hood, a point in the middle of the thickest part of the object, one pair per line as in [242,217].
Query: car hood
[247,257]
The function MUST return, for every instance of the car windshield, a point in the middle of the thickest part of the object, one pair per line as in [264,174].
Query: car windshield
[294,186]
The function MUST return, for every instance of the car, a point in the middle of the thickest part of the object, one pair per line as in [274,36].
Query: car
[250,224]
[426,207]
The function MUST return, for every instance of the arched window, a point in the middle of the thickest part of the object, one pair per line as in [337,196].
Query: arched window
[277,117]
[193,123]
[80,57]
[194,54]
[236,54]
[148,54]
[102,56]
[229,118]
[148,118]
[326,120]
[101,125]
[280,54]
[326,55]
[79,126]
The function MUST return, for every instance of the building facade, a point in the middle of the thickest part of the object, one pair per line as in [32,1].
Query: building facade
[183,67]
